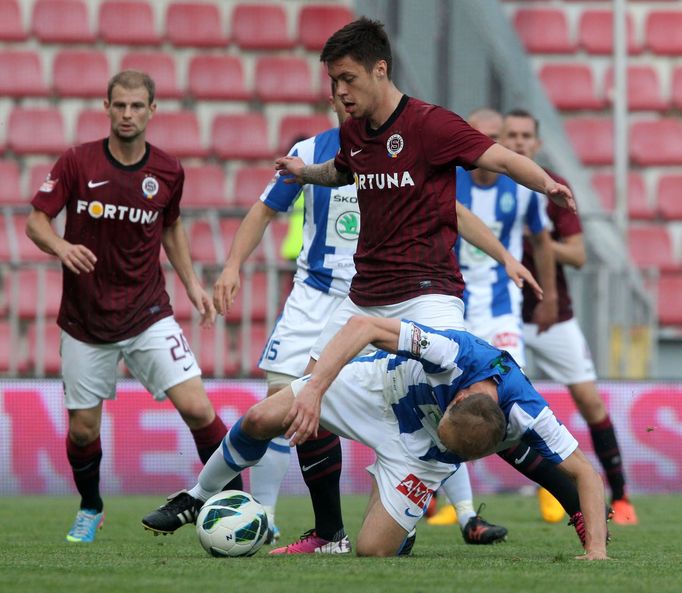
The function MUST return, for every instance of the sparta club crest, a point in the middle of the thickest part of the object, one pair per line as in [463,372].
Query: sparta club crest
[394,145]
[150,187]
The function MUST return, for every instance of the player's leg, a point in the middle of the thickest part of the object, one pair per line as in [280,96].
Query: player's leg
[89,376]
[380,534]
[243,446]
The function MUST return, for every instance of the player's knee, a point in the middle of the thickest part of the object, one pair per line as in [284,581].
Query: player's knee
[260,423]
[373,548]
[197,412]
[82,435]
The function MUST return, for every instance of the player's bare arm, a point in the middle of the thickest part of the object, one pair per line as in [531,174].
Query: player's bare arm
[591,494]
[323,174]
[246,239]
[359,331]
[77,258]
[175,245]
[546,312]
[526,172]
[570,251]
[476,232]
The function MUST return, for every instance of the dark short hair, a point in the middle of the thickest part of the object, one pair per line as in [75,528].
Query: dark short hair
[518,112]
[476,425]
[364,40]
[132,79]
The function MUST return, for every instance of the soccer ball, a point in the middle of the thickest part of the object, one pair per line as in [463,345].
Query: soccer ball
[232,523]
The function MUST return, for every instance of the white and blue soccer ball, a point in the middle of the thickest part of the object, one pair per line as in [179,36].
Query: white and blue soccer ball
[232,523]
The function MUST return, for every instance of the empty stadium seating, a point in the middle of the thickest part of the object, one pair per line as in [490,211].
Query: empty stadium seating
[81,73]
[595,32]
[570,86]
[37,130]
[644,88]
[257,299]
[656,142]
[49,343]
[544,30]
[91,125]
[285,79]
[662,29]
[317,22]
[127,23]
[261,27]
[10,189]
[249,183]
[11,26]
[210,350]
[61,21]
[258,337]
[195,25]
[30,283]
[669,196]
[21,74]
[227,232]
[241,136]
[177,133]
[294,127]
[23,248]
[638,203]
[214,77]
[37,173]
[160,66]
[676,91]
[203,244]
[651,247]
[592,139]
[669,291]
[204,187]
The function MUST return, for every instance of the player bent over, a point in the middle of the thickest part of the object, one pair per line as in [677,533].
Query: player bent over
[440,398]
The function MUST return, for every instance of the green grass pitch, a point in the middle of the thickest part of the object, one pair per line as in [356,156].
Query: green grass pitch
[538,557]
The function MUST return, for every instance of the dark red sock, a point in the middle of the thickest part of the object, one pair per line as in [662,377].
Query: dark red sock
[606,447]
[207,439]
[85,462]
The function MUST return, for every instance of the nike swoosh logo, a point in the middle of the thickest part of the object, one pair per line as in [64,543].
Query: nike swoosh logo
[519,460]
[94,184]
[354,152]
[305,468]
[407,512]
[188,367]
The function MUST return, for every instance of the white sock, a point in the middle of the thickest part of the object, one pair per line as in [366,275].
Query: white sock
[268,473]
[213,477]
[458,490]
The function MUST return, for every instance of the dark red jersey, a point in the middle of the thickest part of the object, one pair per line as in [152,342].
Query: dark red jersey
[565,223]
[119,213]
[405,178]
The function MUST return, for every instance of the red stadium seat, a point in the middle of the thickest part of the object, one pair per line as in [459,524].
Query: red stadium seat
[651,247]
[258,300]
[182,306]
[295,127]
[261,27]
[544,30]
[21,74]
[31,283]
[195,25]
[204,187]
[317,23]
[249,183]
[218,78]
[677,87]
[11,27]
[27,250]
[644,88]
[203,244]
[81,73]
[36,131]
[669,196]
[285,79]
[241,136]
[37,173]
[49,343]
[663,32]
[596,32]
[10,192]
[257,338]
[127,23]
[160,66]
[592,139]
[177,133]
[656,142]
[228,229]
[61,21]
[669,291]
[209,349]
[91,125]
[638,203]
[570,86]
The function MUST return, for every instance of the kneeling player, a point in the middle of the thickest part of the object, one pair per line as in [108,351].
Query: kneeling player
[441,398]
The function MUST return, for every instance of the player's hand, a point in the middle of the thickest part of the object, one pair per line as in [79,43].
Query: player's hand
[561,195]
[290,167]
[203,304]
[521,275]
[225,290]
[303,418]
[545,314]
[77,258]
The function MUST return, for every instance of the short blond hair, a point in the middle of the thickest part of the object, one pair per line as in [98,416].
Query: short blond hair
[132,79]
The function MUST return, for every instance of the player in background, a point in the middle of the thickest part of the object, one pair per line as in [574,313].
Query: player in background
[562,352]
[439,398]
[122,199]
[402,153]
[324,271]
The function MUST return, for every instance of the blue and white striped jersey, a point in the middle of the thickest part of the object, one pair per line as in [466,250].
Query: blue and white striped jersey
[506,208]
[332,219]
[432,366]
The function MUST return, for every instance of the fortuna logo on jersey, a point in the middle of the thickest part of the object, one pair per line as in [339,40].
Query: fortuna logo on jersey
[109,211]
[383,180]
[412,487]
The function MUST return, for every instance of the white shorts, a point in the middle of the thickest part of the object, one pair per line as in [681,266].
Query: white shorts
[504,332]
[561,352]
[159,358]
[305,313]
[435,310]
[354,407]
